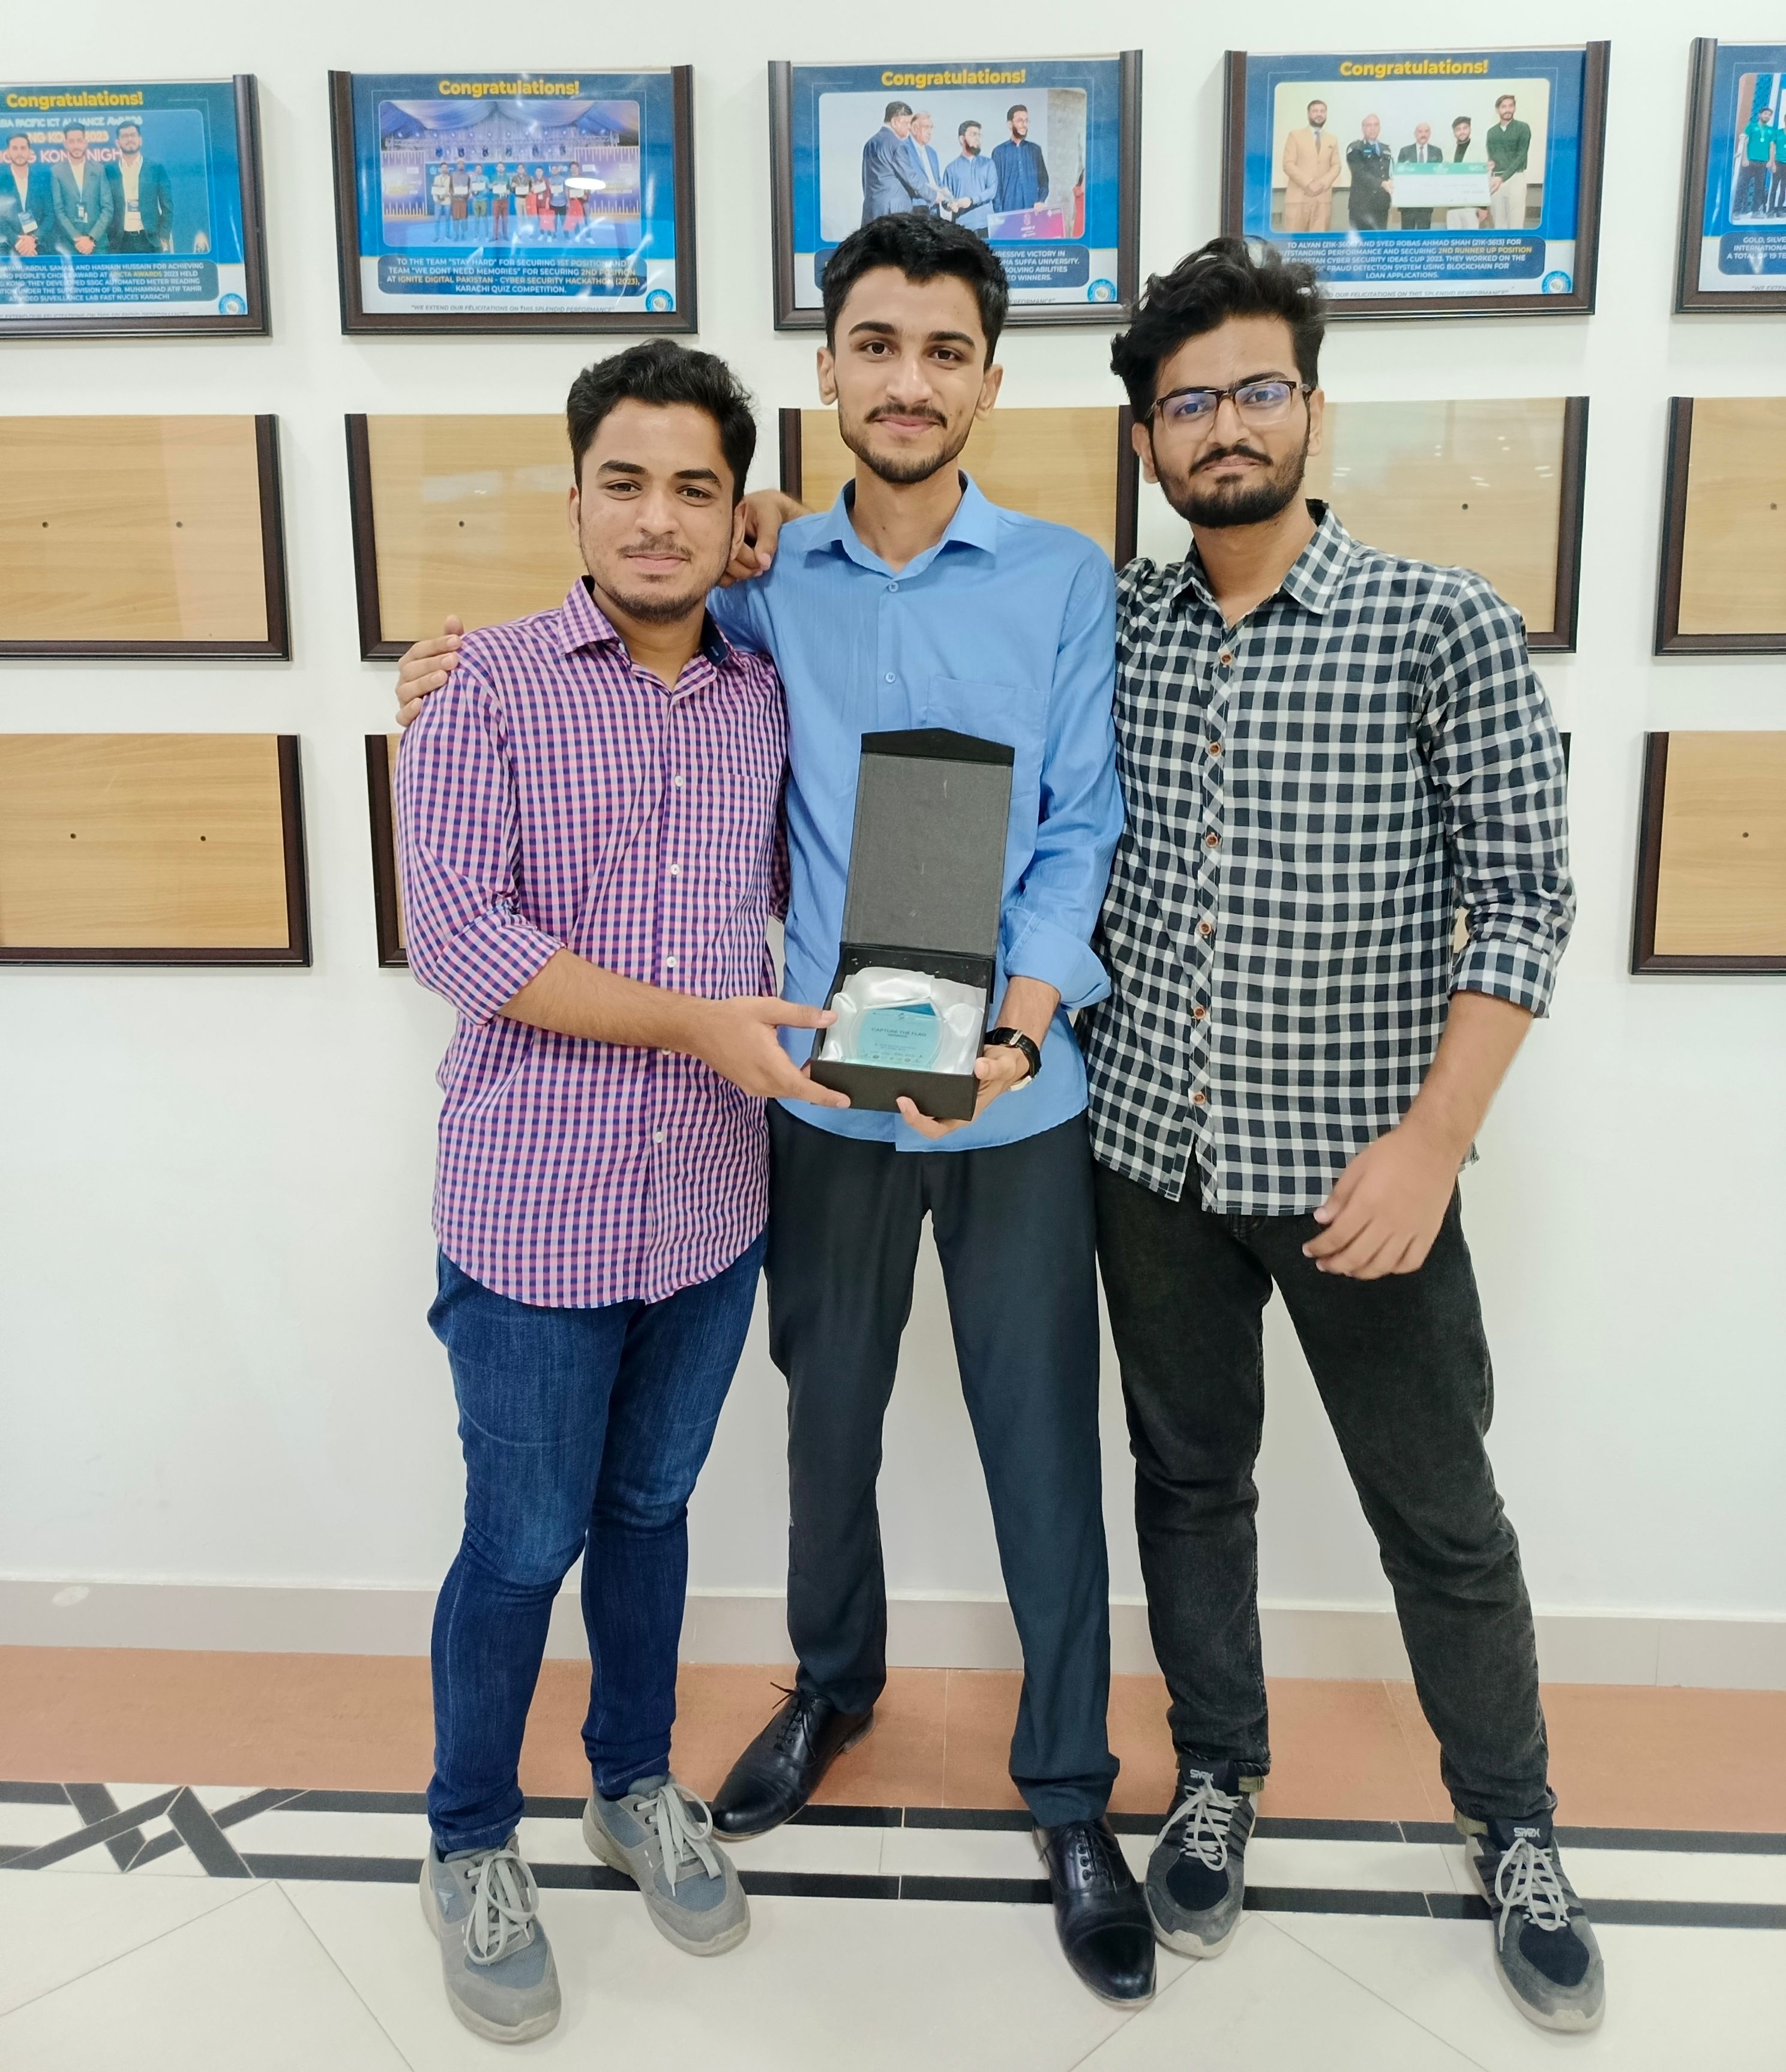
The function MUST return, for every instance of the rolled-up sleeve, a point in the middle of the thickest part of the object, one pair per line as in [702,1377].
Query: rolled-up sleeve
[1497,761]
[458,845]
[1047,929]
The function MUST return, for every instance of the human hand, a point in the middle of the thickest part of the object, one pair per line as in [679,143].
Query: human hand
[998,1069]
[766,512]
[26,247]
[83,245]
[1494,182]
[1386,1207]
[201,240]
[738,1038]
[425,667]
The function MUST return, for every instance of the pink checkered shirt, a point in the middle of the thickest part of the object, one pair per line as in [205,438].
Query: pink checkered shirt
[554,795]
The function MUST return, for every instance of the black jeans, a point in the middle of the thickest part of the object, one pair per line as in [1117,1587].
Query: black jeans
[1015,1231]
[1402,1367]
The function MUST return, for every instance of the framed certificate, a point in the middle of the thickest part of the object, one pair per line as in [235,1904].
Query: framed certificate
[539,201]
[1711,854]
[1732,199]
[1423,183]
[1722,588]
[1041,159]
[131,209]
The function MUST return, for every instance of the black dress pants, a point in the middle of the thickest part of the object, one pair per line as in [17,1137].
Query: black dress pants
[1402,1367]
[1013,1227]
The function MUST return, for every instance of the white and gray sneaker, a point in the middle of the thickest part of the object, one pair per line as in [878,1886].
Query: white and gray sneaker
[660,1836]
[1196,1875]
[1545,1948]
[483,1908]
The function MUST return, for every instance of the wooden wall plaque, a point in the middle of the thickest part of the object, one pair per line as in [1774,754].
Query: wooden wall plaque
[182,848]
[1723,578]
[141,536]
[387,882]
[1493,486]
[464,514]
[1076,467]
[1711,854]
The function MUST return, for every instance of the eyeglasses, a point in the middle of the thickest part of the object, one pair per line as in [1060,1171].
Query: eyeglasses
[1262,401]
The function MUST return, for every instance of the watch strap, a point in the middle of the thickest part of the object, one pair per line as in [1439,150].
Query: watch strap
[1015,1039]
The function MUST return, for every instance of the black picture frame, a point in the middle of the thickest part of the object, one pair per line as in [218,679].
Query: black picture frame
[1571,506]
[789,317]
[356,320]
[1644,961]
[275,647]
[1690,298]
[1578,301]
[790,441]
[1669,638]
[387,896]
[255,322]
[295,951]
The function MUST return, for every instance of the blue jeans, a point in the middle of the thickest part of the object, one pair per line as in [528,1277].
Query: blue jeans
[583,1431]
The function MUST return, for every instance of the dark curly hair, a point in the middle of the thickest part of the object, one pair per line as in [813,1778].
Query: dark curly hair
[1222,279]
[922,248]
[661,372]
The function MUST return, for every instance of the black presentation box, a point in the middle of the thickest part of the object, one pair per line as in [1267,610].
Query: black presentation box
[926,889]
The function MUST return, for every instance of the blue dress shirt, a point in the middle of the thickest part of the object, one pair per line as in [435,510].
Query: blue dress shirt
[976,180]
[1006,629]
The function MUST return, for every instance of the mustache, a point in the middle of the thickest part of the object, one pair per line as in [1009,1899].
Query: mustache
[658,547]
[904,410]
[1242,452]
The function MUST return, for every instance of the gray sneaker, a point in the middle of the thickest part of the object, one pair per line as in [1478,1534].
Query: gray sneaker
[1548,1960]
[661,1836]
[483,1908]
[1196,1876]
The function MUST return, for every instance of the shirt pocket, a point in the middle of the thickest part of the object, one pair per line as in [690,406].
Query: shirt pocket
[994,712]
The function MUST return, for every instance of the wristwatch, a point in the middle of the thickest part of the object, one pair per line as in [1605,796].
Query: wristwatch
[1015,1039]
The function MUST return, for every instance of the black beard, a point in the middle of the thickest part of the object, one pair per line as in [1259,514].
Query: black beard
[1251,503]
[916,467]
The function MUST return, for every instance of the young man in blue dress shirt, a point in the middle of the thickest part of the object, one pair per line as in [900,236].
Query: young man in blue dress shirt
[914,603]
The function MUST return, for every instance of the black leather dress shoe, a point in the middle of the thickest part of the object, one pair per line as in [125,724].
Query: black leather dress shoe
[781,1769]
[1100,1912]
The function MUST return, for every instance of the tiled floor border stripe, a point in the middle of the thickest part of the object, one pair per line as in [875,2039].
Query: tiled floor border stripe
[202,1832]
[98,1810]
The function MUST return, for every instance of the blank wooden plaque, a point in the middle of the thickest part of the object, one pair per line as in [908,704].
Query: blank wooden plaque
[462,515]
[1723,583]
[1711,862]
[141,537]
[387,883]
[151,848]
[1075,466]
[1494,486]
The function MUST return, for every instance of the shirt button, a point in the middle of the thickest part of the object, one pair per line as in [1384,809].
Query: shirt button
[1205,929]
[1199,1014]
[892,586]
[658,1138]
[1228,660]
[1215,748]
[678,782]
[676,870]
[1211,841]
[669,963]
[891,677]
[1199,1100]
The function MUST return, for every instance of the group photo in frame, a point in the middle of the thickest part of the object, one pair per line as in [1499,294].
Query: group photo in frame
[130,209]
[1041,158]
[1423,183]
[558,201]
[1733,202]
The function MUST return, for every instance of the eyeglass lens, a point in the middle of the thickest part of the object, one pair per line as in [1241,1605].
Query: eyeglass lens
[1258,403]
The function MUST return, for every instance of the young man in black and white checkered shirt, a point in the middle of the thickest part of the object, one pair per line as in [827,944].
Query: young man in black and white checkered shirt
[1326,752]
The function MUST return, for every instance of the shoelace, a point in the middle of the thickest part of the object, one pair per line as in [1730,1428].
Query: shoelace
[1527,1879]
[684,1830]
[794,1718]
[504,1900]
[1091,1854]
[1205,1815]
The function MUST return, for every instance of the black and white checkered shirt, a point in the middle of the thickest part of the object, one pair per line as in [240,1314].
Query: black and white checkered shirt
[1312,794]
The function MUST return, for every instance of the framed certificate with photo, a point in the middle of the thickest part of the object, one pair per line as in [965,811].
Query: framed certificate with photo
[131,208]
[1733,201]
[1423,183]
[534,201]
[1042,159]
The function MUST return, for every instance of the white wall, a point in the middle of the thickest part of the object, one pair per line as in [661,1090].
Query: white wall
[214,1250]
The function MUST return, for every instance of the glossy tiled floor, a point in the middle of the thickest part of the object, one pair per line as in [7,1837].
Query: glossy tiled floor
[266,1917]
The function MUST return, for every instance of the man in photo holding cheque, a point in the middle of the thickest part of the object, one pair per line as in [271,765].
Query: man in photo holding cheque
[913,602]
[591,849]
[1327,750]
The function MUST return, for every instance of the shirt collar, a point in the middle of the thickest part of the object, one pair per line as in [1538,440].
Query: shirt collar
[583,623]
[975,523]
[1311,580]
